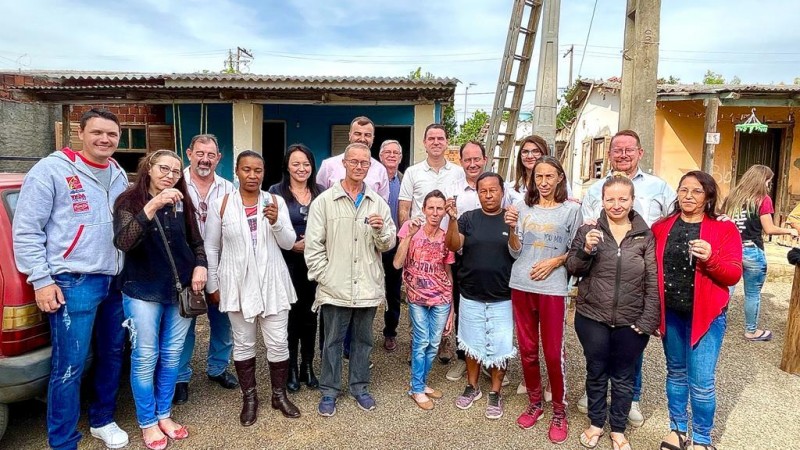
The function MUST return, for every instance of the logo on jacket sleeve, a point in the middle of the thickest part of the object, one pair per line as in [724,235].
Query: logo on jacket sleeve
[80,203]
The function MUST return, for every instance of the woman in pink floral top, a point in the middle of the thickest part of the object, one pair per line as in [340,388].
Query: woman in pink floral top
[429,290]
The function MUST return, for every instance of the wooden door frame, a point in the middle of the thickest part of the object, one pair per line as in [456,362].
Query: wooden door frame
[784,162]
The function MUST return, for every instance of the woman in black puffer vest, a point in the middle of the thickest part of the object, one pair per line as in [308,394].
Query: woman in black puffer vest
[618,307]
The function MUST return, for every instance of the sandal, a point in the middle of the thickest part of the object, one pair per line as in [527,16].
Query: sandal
[433,393]
[681,442]
[621,444]
[425,404]
[158,444]
[765,336]
[176,434]
[590,440]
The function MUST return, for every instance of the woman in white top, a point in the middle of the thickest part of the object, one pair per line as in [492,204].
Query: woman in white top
[245,232]
[531,149]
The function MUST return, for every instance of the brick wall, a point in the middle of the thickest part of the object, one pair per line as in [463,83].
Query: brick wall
[128,113]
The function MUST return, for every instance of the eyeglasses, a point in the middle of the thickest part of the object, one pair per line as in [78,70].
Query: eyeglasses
[695,192]
[304,212]
[356,163]
[165,170]
[203,211]
[627,151]
[531,153]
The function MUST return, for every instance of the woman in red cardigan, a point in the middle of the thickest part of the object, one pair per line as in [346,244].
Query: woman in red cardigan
[698,258]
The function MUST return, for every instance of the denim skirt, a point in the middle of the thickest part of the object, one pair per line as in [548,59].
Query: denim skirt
[486,331]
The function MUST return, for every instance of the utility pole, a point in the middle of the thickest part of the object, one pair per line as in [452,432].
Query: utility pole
[544,110]
[466,93]
[234,63]
[639,74]
[571,54]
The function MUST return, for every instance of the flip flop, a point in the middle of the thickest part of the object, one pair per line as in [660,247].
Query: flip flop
[765,335]
[586,439]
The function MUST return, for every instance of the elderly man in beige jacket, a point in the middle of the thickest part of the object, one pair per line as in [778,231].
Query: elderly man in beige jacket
[349,226]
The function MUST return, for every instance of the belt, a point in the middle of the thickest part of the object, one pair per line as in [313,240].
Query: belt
[749,244]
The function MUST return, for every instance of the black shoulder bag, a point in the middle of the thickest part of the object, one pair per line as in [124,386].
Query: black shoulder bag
[190,304]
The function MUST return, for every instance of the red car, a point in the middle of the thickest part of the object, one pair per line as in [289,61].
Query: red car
[25,332]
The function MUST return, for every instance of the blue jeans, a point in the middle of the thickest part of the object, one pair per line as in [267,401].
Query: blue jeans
[691,374]
[754,263]
[90,299]
[157,335]
[220,346]
[427,325]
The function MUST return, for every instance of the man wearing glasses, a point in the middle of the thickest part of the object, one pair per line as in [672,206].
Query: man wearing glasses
[331,171]
[391,154]
[204,186]
[653,200]
[349,226]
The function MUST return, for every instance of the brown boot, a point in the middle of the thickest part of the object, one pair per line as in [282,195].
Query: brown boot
[246,371]
[278,373]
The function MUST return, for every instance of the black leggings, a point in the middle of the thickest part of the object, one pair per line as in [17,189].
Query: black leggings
[611,353]
[302,321]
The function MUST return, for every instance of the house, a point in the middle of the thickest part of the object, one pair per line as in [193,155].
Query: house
[680,134]
[264,113]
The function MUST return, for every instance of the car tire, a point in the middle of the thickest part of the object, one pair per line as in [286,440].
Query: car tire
[3,419]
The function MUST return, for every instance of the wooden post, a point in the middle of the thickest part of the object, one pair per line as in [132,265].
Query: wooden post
[66,129]
[639,74]
[790,362]
[712,108]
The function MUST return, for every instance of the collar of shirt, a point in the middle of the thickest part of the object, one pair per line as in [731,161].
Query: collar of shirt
[447,165]
[218,183]
[639,174]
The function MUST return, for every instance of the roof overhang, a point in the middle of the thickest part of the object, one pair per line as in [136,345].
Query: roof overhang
[159,88]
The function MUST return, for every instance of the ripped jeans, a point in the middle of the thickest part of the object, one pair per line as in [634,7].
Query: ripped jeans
[157,333]
[93,308]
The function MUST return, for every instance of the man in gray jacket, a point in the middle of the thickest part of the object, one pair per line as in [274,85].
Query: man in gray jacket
[349,226]
[63,240]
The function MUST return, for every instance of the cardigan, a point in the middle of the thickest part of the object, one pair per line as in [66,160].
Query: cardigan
[712,278]
[255,282]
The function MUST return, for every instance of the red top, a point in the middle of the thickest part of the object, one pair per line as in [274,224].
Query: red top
[712,277]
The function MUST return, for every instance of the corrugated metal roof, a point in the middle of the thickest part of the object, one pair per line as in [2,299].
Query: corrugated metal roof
[203,79]
[689,89]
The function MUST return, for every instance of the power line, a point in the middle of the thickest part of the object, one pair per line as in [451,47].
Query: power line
[591,21]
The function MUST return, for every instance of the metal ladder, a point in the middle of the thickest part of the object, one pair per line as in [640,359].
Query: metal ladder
[506,139]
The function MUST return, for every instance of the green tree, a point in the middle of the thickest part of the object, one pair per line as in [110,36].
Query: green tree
[713,78]
[449,121]
[448,112]
[471,129]
[669,80]
[736,80]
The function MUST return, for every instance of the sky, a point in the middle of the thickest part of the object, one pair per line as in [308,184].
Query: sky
[463,39]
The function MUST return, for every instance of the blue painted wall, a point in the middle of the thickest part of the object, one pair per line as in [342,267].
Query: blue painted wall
[311,124]
[217,120]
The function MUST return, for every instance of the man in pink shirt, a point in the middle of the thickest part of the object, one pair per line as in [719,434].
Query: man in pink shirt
[362,131]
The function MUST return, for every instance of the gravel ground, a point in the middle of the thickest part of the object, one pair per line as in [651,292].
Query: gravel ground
[756,400]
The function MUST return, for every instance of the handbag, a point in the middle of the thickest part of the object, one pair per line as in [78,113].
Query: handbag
[190,304]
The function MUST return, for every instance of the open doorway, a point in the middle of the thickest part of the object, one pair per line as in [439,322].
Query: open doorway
[401,134]
[273,143]
[764,149]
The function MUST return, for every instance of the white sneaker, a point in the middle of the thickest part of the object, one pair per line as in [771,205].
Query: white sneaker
[488,375]
[583,404]
[635,417]
[522,389]
[112,435]
[457,370]
[547,394]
